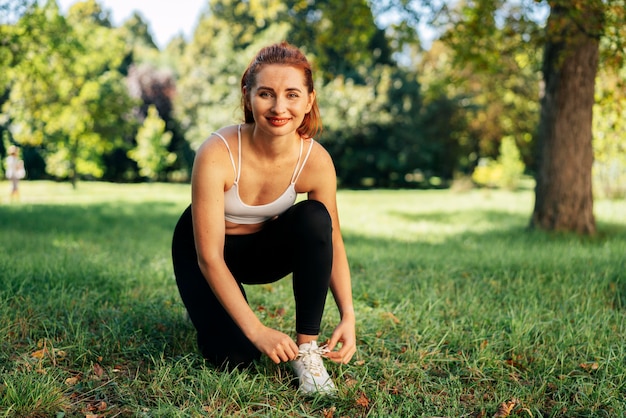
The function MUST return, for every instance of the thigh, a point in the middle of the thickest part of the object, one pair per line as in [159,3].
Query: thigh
[277,249]
[219,338]
[259,258]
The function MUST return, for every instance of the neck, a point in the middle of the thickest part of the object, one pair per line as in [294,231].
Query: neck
[271,145]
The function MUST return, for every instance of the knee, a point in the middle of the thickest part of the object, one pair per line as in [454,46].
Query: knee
[313,218]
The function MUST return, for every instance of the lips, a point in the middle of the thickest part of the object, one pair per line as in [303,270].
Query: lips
[278,121]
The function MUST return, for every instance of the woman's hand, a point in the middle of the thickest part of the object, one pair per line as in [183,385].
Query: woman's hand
[278,346]
[346,335]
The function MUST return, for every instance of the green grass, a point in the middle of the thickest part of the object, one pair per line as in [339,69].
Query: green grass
[460,310]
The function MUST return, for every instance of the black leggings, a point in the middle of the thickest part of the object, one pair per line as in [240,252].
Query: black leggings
[299,241]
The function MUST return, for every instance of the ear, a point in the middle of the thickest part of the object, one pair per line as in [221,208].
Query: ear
[246,98]
[311,100]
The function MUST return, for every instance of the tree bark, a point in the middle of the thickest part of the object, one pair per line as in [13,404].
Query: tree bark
[563,193]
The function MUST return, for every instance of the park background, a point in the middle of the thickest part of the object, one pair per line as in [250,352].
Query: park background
[439,147]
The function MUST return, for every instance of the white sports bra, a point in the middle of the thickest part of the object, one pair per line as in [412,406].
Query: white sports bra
[238,212]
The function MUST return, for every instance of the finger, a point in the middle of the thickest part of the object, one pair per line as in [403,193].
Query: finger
[294,351]
[274,358]
[348,356]
[294,348]
[332,342]
[344,355]
[285,353]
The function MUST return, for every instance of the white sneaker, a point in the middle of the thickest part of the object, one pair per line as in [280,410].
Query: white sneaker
[310,369]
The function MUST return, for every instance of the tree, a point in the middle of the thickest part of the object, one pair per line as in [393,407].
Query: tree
[609,142]
[563,196]
[571,40]
[228,35]
[369,105]
[151,151]
[66,93]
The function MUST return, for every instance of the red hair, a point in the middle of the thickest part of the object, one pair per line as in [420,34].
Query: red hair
[282,54]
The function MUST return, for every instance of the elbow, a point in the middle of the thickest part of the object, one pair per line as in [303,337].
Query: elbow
[207,263]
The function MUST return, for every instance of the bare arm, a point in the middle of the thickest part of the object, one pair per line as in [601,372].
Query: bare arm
[324,189]
[211,170]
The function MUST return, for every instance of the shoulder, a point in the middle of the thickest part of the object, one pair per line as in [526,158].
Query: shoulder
[219,142]
[213,154]
[319,157]
[319,170]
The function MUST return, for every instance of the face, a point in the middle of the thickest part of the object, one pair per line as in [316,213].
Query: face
[279,100]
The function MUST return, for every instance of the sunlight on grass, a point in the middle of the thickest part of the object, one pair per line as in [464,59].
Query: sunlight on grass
[431,216]
[460,309]
[39,192]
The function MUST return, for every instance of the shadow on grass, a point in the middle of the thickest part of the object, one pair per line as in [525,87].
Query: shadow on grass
[111,263]
[101,271]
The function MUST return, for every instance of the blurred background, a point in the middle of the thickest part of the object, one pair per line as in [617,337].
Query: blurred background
[413,94]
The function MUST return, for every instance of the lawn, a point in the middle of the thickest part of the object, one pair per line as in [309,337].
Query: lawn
[461,311]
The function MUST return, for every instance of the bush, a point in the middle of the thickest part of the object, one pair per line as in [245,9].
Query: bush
[506,172]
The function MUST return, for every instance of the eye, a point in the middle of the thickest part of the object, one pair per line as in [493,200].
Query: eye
[265,94]
[293,95]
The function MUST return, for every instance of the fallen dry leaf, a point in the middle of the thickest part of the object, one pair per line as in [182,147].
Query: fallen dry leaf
[363,401]
[505,408]
[330,412]
[97,406]
[39,354]
[590,366]
[98,370]
[389,315]
[71,381]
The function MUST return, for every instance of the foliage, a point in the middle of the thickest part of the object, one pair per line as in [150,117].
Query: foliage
[506,172]
[395,114]
[461,311]
[66,93]
[609,142]
[494,69]
[151,152]
[225,41]
[370,130]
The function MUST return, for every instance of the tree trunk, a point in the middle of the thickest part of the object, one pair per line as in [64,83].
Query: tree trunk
[563,193]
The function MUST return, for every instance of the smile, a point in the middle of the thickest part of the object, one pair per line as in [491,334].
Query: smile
[278,121]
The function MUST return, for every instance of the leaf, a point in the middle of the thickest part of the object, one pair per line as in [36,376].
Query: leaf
[505,408]
[590,367]
[389,315]
[71,381]
[97,407]
[329,413]
[39,354]
[98,370]
[363,401]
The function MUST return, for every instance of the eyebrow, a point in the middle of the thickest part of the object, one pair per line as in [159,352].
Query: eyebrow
[271,89]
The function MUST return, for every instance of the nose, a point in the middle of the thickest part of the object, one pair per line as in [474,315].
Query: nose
[279,106]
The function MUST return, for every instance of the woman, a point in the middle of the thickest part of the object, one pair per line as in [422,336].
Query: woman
[243,227]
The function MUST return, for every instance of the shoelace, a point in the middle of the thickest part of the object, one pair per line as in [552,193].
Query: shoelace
[312,358]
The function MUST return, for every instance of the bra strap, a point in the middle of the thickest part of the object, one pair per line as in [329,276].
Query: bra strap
[306,157]
[230,154]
